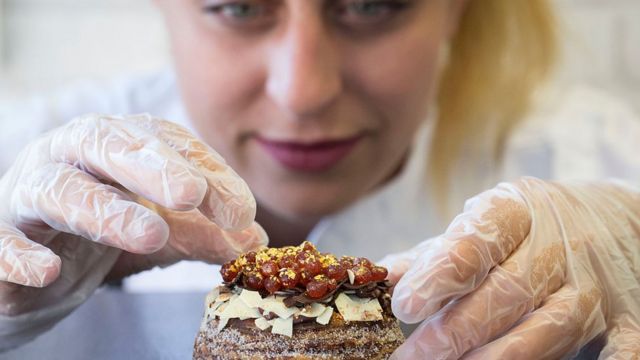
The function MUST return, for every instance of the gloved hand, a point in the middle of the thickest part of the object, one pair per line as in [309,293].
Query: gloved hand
[530,270]
[72,207]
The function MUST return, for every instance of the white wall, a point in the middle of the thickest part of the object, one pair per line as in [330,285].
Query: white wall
[602,44]
[50,42]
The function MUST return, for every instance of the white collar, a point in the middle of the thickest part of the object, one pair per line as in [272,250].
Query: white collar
[392,218]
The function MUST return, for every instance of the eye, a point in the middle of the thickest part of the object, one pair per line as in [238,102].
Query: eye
[361,12]
[235,10]
[245,13]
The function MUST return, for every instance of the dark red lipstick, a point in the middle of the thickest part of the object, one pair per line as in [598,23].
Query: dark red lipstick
[309,157]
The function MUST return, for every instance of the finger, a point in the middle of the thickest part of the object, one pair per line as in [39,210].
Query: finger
[511,290]
[25,262]
[563,325]
[228,202]
[210,244]
[195,237]
[252,238]
[117,150]
[492,226]
[398,264]
[72,201]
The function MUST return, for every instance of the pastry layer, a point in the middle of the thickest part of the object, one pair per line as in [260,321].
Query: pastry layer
[339,339]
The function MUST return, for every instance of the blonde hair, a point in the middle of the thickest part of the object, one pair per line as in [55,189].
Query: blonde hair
[502,50]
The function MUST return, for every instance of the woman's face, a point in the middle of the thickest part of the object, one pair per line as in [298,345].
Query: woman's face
[313,102]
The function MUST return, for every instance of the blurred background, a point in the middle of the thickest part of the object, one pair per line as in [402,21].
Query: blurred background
[46,44]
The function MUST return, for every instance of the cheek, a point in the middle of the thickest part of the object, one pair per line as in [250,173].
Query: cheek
[216,91]
[399,74]
[398,78]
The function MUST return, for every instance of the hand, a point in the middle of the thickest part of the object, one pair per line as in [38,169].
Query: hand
[78,193]
[530,270]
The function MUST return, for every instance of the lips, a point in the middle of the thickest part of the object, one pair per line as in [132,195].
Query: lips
[309,157]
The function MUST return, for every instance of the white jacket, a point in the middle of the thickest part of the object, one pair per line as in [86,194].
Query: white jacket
[576,133]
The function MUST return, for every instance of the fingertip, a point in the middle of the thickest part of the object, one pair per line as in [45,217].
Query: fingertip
[230,203]
[186,191]
[252,238]
[408,302]
[146,235]
[261,235]
[39,268]
[26,262]
[51,271]
[399,307]
[398,301]
[235,215]
[242,217]
[396,265]
[255,238]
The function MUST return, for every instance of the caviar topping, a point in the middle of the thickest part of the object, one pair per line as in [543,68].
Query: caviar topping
[317,288]
[362,275]
[269,268]
[254,280]
[337,272]
[301,271]
[379,273]
[229,271]
[288,278]
[272,284]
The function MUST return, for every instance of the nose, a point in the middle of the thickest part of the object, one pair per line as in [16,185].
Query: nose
[303,72]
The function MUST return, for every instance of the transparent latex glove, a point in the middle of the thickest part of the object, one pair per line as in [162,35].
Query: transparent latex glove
[530,270]
[111,195]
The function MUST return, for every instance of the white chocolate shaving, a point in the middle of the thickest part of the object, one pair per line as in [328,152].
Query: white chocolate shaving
[352,276]
[220,308]
[325,317]
[275,304]
[282,326]
[246,304]
[211,297]
[251,298]
[210,312]
[238,309]
[313,310]
[262,323]
[222,323]
[353,308]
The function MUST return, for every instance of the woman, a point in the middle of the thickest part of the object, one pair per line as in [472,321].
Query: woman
[315,104]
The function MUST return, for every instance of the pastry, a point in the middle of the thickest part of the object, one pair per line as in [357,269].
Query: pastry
[296,303]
